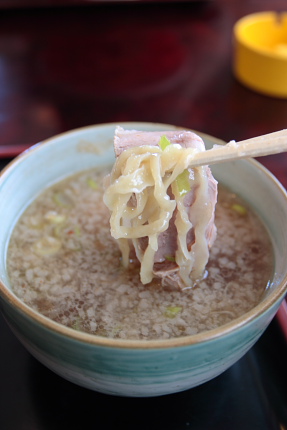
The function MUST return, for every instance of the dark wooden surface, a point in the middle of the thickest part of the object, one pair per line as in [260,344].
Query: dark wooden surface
[67,67]
[83,63]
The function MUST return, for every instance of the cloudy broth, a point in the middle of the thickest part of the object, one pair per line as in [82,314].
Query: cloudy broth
[63,262]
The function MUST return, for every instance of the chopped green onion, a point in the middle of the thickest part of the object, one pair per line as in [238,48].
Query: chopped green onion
[92,184]
[172,311]
[164,142]
[47,246]
[169,257]
[54,217]
[77,324]
[59,230]
[77,231]
[241,210]
[62,200]
[182,182]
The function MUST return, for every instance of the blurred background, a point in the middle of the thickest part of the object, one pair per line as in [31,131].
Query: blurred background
[70,63]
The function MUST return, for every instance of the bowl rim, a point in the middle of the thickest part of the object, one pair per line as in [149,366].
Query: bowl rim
[95,340]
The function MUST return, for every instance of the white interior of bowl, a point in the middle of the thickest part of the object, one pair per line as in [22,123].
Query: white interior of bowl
[92,146]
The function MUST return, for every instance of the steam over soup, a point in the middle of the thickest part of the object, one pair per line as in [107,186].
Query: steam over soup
[63,262]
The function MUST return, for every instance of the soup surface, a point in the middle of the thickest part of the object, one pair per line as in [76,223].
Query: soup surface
[63,262]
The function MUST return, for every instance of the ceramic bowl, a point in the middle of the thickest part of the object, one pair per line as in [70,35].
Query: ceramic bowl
[123,367]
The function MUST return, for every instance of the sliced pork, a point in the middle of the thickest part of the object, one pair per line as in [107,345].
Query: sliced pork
[169,231]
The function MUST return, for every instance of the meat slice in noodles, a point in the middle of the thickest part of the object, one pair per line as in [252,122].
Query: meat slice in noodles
[162,209]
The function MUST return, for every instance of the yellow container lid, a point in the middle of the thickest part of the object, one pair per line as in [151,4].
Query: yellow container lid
[260,52]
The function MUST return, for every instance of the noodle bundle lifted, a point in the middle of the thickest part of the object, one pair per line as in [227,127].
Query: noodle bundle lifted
[162,210]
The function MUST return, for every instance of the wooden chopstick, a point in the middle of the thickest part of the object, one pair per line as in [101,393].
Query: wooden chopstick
[272,143]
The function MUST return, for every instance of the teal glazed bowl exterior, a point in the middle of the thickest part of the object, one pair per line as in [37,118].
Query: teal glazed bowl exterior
[123,367]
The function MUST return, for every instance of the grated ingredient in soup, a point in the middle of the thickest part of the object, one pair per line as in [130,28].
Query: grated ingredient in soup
[63,262]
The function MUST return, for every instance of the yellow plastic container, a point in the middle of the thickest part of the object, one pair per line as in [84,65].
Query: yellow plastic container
[260,52]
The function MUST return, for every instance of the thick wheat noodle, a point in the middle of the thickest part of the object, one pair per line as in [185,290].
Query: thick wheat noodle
[145,174]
